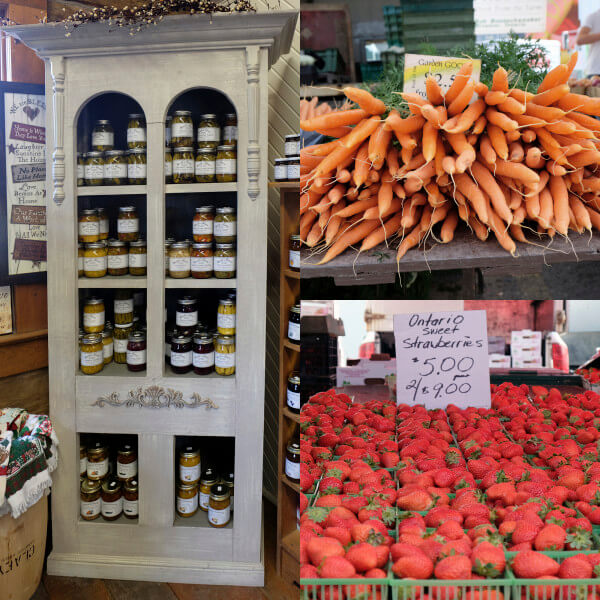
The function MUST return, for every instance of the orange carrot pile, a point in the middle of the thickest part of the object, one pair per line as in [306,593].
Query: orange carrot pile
[312,108]
[504,161]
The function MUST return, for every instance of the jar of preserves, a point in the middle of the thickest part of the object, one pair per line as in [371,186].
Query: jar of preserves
[292,461]
[203,358]
[203,224]
[80,254]
[95,259]
[103,136]
[293,392]
[103,218]
[202,261]
[225,225]
[97,461]
[93,315]
[187,499]
[112,499]
[206,165]
[118,258]
[137,257]
[168,130]
[81,168]
[295,245]
[82,460]
[128,224]
[226,317]
[227,480]
[219,506]
[107,344]
[209,478]
[186,315]
[89,226]
[224,261]
[136,351]
[293,168]
[94,168]
[168,165]
[189,465]
[292,145]
[130,499]
[280,169]
[294,324]
[121,338]
[91,358]
[225,355]
[123,307]
[179,260]
[230,130]
[181,354]
[115,167]
[209,132]
[182,129]
[91,504]
[183,164]
[136,166]
[136,131]
[226,167]
[127,466]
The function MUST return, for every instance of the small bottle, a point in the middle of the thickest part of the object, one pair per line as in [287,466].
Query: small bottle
[127,466]
[90,504]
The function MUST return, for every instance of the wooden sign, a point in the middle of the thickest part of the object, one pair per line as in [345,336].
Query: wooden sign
[5,310]
[28,215]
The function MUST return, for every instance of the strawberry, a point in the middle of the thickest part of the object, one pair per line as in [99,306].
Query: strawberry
[415,500]
[330,485]
[575,567]
[341,517]
[488,560]
[363,557]
[337,567]
[450,530]
[414,567]
[453,567]
[319,548]
[579,539]
[524,531]
[531,565]
[551,537]
[399,550]
[309,572]
[339,533]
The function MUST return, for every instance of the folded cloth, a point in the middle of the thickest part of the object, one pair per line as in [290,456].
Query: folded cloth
[28,454]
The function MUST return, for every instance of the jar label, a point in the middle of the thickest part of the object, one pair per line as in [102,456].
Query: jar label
[136,357]
[92,359]
[83,465]
[202,227]
[295,259]
[187,506]
[205,167]
[112,509]
[219,516]
[225,263]
[179,263]
[107,350]
[182,130]
[204,500]
[89,228]
[226,166]
[183,166]
[136,171]
[168,167]
[118,261]
[103,138]
[96,470]
[128,225]
[294,331]
[130,507]
[225,228]
[93,319]
[202,361]
[94,171]
[230,133]
[136,134]
[127,470]
[292,148]
[202,264]
[292,469]
[186,319]
[225,361]
[95,263]
[115,170]
[120,346]
[138,260]
[209,134]
[90,509]
[80,171]
[189,474]
[124,306]
[280,172]
[181,359]
[293,172]
[225,321]
[293,400]
[104,226]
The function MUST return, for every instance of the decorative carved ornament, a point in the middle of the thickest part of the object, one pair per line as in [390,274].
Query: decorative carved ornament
[155,396]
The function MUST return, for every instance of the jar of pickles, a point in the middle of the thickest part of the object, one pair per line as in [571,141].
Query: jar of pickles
[182,129]
[89,226]
[97,461]
[131,499]
[103,218]
[224,261]
[209,132]
[112,499]
[115,167]
[136,166]
[136,351]
[95,259]
[136,131]
[201,261]
[187,499]
[230,130]
[294,254]
[118,258]
[94,168]
[91,358]
[294,324]
[103,136]
[90,503]
[226,166]
[128,224]
[168,165]
[209,478]
[127,465]
[80,253]
[179,260]
[226,317]
[225,355]
[181,354]
[293,392]
[183,164]
[121,338]
[80,168]
[137,257]
[206,165]
[203,357]
[123,307]
[93,315]
[219,506]
[189,465]
[203,224]
[225,225]
[107,344]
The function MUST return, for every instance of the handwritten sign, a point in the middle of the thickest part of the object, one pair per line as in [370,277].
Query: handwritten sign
[28,215]
[5,310]
[503,16]
[442,358]
[417,67]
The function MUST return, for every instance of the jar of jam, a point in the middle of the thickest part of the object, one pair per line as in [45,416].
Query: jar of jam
[183,164]
[280,169]
[292,145]
[226,167]
[225,225]
[112,499]
[292,461]
[81,168]
[182,129]
[209,478]
[227,480]
[91,357]
[203,357]
[82,460]
[295,244]
[95,259]
[93,315]
[206,165]
[121,339]
[136,131]
[186,315]
[179,260]
[89,226]
[203,224]
[118,258]
[123,307]
[189,465]
[103,218]
[103,136]
[226,317]
[293,168]
[130,498]
[168,130]
[168,165]
[181,354]
[225,355]
[230,130]
[136,351]
[97,461]
[127,462]
[90,505]
[137,258]
[94,168]
[115,167]
[80,254]
[187,499]
[128,224]
[224,261]
[293,392]
[219,506]
[202,261]
[107,344]
[136,166]
[209,132]
[294,324]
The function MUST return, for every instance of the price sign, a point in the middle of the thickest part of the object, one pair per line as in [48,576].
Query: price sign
[442,358]
[417,67]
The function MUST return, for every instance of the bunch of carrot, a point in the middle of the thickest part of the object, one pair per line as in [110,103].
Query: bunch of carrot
[499,159]
[313,108]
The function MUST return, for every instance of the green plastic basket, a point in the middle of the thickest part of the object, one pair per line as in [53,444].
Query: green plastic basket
[350,589]
[334,63]
[371,71]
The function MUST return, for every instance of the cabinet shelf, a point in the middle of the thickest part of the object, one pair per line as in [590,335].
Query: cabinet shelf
[291,345]
[291,416]
[200,519]
[190,282]
[113,369]
[291,484]
[109,282]
[291,544]
[199,188]
[111,190]
[100,522]
[292,274]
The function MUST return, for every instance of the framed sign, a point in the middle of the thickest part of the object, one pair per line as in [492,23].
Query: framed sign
[22,183]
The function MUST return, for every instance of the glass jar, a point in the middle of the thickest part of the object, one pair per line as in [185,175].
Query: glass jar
[91,358]
[226,317]
[280,169]
[294,324]
[230,130]
[97,461]
[115,167]
[136,166]
[183,164]
[293,168]
[80,254]
[203,358]
[136,351]
[219,506]
[227,480]
[168,243]
[182,129]
[292,461]
[82,460]
[169,333]
[225,226]
[137,258]
[103,136]
[201,262]
[209,132]
[225,355]
[295,245]
[224,261]
[94,168]
[121,338]
[206,165]
[181,354]
[107,344]
[168,165]
[130,499]
[93,315]
[136,131]
[103,218]
[186,315]
[187,499]
[95,259]
[179,260]
[209,478]
[128,224]
[292,145]
[90,505]
[81,168]
[127,465]
[203,224]
[123,307]
[118,258]
[226,167]
[189,465]
[112,499]
[89,226]
[168,129]
[293,392]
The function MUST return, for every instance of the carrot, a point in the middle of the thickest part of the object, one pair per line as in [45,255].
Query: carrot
[520,95]
[314,235]
[559,193]
[429,141]
[357,207]
[503,237]
[382,233]
[440,154]
[330,162]
[546,213]
[410,210]
[547,113]
[360,133]
[585,158]
[335,132]
[343,176]
[336,193]
[373,213]
[399,190]
[449,227]
[460,80]
[584,104]
[465,185]
[516,171]
[556,76]
[551,96]
[479,125]
[348,238]
[528,136]
[512,136]
[480,230]
[495,97]
[462,99]
[516,231]
[386,194]
[511,106]
[467,118]
[594,217]
[490,186]
[499,119]
[365,100]
[361,165]
[436,115]
[481,89]
[378,146]
[585,121]
[335,119]
[487,150]
[449,165]
[306,222]
[392,161]
[582,216]
[532,206]
[440,212]
[416,235]
[497,140]
[571,64]
[414,101]
[335,223]
[399,125]
[516,153]
[433,91]
[434,195]
[500,80]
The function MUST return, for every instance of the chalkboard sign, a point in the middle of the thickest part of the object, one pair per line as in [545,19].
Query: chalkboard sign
[22,183]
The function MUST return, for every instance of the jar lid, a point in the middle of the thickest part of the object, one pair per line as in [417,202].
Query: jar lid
[280,161]
[94,300]
[111,486]
[137,336]
[131,485]
[294,158]
[230,115]
[169,118]
[101,211]
[126,449]
[205,209]
[89,212]
[138,244]
[103,122]
[123,325]
[225,210]
[90,487]
[295,308]
[179,245]
[225,340]
[202,338]
[295,237]
[187,486]
[202,245]
[91,338]
[137,151]
[95,154]
[115,153]
[225,246]
[228,479]
[183,113]
[208,478]
[294,378]
[206,151]
[136,116]
[226,148]
[208,116]
[95,245]
[180,338]
[294,448]
[126,208]
[189,452]
[292,137]
[116,244]
[184,149]
[219,491]
[97,447]
[227,302]
[186,301]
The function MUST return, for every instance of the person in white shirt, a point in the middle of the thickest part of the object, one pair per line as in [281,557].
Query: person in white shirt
[590,34]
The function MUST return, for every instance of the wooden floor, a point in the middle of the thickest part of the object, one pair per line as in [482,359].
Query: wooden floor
[73,588]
